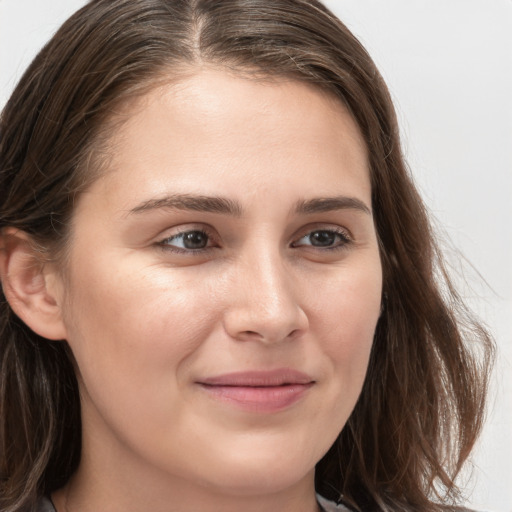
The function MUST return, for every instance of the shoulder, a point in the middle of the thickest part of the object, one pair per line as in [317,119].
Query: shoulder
[45,505]
[330,506]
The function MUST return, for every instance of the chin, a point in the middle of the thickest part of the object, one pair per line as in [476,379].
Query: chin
[267,471]
[252,481]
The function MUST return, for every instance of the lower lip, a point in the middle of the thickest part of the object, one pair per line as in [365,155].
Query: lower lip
[259,399]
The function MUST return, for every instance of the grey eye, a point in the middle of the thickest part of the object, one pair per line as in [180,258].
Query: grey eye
[322,238]
[192,240]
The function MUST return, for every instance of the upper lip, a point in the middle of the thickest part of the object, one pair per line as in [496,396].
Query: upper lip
[258,378]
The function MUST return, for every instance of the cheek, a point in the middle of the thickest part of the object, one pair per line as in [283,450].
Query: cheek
[343,317]
[133,340]
[129,327]
[348,306]
[346,314]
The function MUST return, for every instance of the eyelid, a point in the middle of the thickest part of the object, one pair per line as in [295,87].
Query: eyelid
[181,230]
[338,230]
[213,238]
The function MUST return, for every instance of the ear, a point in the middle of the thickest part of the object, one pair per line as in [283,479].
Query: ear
[32,288]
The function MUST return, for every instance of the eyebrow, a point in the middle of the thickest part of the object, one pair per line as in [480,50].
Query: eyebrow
[222,205]
[210,204]
[327,204]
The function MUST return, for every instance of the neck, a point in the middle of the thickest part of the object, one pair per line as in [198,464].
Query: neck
[107,484]
[114,478]
[76,497]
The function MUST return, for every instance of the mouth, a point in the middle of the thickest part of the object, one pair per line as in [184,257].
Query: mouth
[259,391]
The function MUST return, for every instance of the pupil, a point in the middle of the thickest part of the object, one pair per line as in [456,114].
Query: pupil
[195,240]
[322,238]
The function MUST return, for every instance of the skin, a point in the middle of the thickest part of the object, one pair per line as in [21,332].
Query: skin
[148,319]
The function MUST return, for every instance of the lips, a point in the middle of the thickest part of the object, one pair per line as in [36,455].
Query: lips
[260,391]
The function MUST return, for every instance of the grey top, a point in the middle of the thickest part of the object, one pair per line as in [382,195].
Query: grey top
[330,506]
[45,505]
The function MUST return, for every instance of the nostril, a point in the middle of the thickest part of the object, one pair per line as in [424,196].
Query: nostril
[254,335]
[294,333]
[251,333]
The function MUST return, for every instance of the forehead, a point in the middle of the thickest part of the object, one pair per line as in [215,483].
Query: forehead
[212,128]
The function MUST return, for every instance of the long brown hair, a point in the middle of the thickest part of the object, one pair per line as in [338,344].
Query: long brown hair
[422,404]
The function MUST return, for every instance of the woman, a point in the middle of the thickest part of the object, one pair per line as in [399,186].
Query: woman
[221,287]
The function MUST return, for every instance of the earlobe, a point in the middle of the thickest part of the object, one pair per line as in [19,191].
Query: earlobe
[29,286]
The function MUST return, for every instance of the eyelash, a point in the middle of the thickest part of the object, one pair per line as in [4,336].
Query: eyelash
[164,245]
[344,240]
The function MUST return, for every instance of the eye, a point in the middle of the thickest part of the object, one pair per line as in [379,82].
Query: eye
[192,240]
[324,239]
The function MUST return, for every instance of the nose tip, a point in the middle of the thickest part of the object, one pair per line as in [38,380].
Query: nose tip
[266,309]
[265,328]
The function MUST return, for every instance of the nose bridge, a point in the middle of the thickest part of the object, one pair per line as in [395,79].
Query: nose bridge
[265,304]
[270,282]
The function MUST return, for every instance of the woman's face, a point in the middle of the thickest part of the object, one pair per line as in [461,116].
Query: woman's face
[223,286]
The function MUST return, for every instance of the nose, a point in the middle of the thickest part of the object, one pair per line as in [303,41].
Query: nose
[263,303]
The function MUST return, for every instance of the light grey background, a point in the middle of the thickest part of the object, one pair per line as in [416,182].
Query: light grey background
[448,64]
